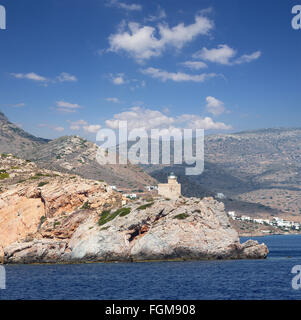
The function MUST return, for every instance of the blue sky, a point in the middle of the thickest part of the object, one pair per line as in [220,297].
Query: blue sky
[71,67]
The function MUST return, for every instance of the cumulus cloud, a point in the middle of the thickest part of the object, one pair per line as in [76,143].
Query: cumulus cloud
[63,77]
[138,117]
[207,123]
[29,76]
[224,54]
[142,42]
[82,124]
[195,65]
[123,5]
[141,117]
[177,76]
[66,77]
[92,128]
[215,106]
[49,126]
[76,125]
[159,16]
[64,106]
[118,79]
[114,100]
[248,57]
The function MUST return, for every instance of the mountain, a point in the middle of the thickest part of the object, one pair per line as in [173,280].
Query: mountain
[15,140]
[258,171]
[74,154]
[69,154]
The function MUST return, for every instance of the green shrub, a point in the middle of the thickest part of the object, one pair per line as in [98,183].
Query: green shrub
[41,184]
[56,223]
[42,219]
[107,216]
[86,205]
[4,175]
[124,212]
[144,206]
[181,216]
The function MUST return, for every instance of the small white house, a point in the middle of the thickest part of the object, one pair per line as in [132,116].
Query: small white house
[151,188]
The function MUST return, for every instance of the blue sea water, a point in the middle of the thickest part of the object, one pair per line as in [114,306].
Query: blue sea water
[236,279]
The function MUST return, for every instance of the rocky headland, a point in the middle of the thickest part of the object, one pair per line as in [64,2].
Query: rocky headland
[52,217]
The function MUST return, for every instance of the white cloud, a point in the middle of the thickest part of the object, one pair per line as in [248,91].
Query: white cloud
[125,6]
[49,126]
[82,124]
[138,117]
[66,77]
[76,125]
[224,54]
[30,76]
[207,123]
[92,128]
[248,57]
[215,106]
[118,79]
[114,100]
[63,77]
[177,76]
[141,42]
[195,65]
[64,106]
[159,16]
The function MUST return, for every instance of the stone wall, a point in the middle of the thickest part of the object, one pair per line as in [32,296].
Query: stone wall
[170,190]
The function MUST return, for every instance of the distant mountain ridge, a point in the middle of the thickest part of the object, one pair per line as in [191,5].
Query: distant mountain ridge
[15,140]
[70,154]
[258,171]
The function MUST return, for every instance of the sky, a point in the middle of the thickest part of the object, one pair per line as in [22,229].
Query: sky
[73,67]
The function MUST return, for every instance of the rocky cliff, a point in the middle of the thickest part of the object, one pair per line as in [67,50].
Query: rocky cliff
[50,217]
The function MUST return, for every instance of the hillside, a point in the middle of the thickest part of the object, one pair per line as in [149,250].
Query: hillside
[69,154]
[50,217]
[15,140]
[258,171]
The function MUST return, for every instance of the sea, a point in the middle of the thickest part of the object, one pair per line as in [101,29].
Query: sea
[269,279]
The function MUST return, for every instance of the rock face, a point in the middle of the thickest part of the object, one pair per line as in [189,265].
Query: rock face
[176,230]
[50,217]
[34,202]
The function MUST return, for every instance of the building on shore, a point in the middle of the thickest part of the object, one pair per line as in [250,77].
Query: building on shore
[172,189]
